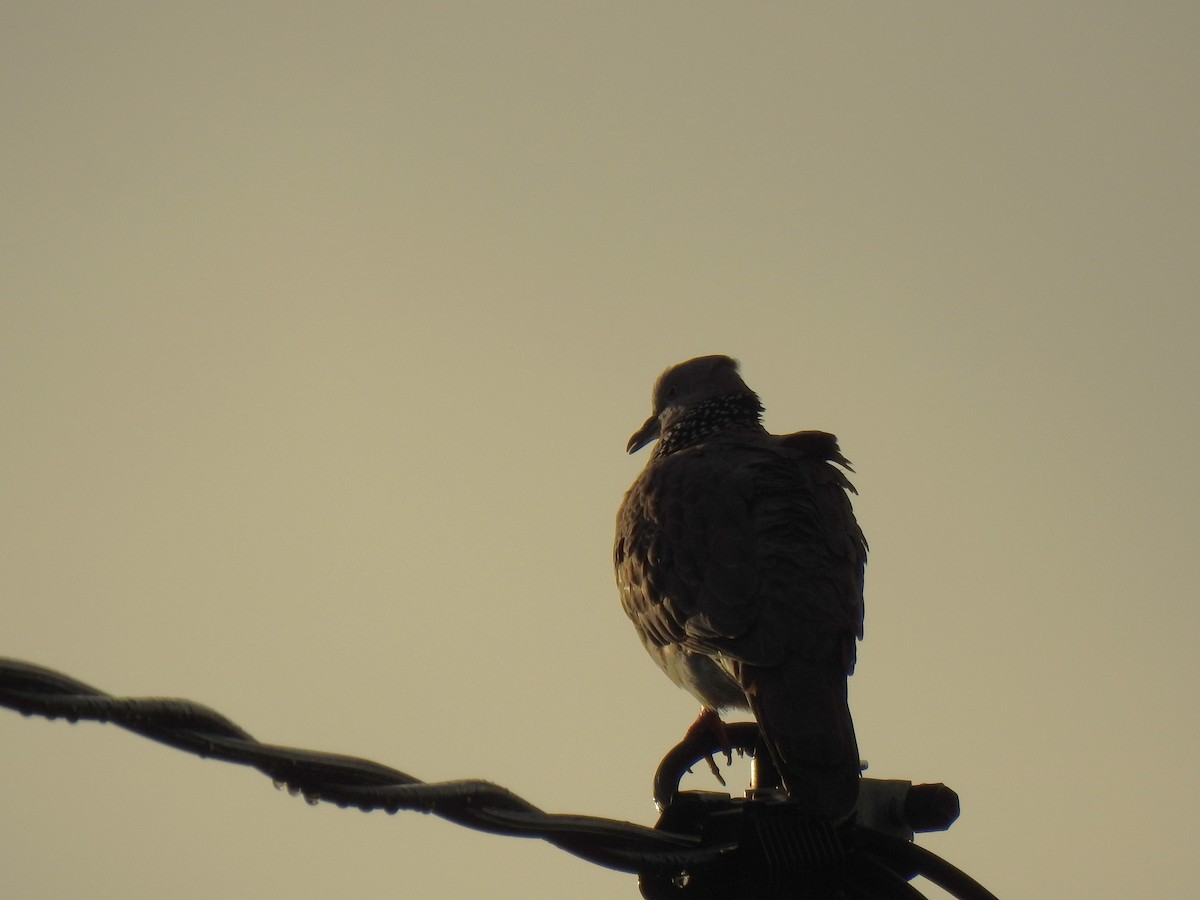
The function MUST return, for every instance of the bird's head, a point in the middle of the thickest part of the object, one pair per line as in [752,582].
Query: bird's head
[684,387]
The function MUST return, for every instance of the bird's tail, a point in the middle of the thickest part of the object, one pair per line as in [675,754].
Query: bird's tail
[803,713]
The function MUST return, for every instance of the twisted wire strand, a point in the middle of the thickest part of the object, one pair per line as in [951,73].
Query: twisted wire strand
[350,781]
[346,780]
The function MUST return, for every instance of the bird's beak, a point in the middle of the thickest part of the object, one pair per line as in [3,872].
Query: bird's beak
[644,435]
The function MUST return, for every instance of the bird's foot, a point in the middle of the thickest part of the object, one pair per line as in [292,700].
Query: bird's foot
[709,722]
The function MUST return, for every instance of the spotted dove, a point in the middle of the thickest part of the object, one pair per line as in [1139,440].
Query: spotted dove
[739,560]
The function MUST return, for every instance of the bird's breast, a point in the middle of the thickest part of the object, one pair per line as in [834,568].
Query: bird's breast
[704,677]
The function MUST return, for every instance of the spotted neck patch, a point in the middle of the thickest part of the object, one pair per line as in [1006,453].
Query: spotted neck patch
[703,420]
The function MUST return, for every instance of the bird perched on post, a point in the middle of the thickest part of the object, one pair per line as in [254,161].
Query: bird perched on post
[739,560]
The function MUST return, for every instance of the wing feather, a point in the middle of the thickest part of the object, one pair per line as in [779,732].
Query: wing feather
[747,551]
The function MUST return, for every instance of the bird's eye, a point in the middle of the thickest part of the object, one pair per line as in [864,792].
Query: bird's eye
[672,392]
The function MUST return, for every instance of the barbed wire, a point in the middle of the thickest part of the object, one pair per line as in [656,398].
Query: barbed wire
[654,854]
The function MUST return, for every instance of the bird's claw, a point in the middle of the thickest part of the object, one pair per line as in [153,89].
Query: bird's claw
[710,722]
[715,769]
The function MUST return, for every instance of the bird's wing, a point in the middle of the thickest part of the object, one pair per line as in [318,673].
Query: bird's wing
[749,550]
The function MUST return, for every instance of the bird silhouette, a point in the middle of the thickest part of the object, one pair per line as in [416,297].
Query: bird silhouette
[741,565]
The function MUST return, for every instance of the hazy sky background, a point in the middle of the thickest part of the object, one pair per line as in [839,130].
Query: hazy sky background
[323,327]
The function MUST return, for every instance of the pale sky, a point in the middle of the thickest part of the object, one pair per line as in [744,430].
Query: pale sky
[323,327]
